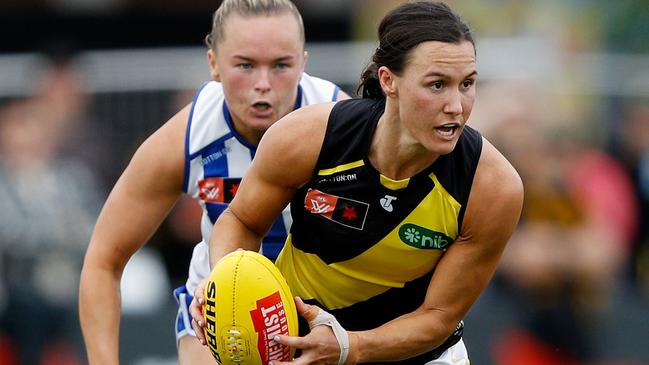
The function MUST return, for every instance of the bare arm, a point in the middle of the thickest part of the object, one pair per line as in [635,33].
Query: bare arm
[463,272]
[138,203]
[283,163]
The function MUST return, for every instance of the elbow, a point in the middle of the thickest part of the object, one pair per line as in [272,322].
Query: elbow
[98,261]
[442,326]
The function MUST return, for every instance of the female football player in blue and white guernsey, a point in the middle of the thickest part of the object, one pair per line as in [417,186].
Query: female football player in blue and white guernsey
[256,58]
[401,211]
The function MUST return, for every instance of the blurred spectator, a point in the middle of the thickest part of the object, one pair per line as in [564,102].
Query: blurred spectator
[48,204]
[60,92]
[633,145]
[575,236]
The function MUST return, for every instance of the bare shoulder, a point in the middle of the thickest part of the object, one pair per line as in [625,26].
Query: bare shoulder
[302,122]
[496,174]
[496,197]
[163,152]
[294,143]
[173,131]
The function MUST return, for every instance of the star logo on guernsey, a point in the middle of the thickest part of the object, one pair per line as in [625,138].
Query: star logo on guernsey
[386,202]
[234,189]
[349,213]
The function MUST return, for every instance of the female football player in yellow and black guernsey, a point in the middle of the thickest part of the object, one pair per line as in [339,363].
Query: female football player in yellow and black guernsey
[400,210]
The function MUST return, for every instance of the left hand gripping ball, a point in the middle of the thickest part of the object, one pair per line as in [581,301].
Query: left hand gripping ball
[247,304]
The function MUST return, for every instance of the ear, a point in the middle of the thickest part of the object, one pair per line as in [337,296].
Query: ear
[387,79]
[214,68]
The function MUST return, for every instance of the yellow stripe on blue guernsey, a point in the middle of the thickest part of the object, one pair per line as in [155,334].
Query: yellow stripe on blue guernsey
[340,168]
[394,184]
[390,263]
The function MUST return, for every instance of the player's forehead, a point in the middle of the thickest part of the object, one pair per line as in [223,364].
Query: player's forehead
[261,37]
[442,58]
[282,26]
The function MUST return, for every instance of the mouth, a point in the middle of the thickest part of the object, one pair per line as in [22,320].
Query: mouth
[262,109]
[448,130]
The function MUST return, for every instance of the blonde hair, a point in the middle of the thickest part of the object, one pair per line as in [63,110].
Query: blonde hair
[249,8]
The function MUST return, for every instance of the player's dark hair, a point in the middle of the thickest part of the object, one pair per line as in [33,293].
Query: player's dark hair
[401,30]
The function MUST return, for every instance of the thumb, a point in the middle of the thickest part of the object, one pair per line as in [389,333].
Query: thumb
[307,311]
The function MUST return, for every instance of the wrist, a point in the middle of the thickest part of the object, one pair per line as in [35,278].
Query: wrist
[354,355]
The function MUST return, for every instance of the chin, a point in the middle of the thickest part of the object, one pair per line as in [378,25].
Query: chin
[442,148]
[261,123]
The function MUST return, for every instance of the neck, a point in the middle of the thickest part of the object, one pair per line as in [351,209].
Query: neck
[394,152]
[250,135]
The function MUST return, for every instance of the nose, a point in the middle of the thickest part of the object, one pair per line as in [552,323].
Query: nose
[262,84]
[453,103]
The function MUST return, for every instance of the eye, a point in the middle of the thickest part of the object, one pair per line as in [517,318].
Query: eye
[437,85]
[282,66]
[468,83]
[244,66]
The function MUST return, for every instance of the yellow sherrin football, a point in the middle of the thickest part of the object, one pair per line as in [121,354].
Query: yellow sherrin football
[248,303]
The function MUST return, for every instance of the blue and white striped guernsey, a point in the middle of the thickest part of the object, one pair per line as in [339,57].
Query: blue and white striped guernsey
[216,157]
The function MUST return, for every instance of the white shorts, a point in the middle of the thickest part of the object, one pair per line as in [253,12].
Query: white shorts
[199,268]
[454,355]
[183,325]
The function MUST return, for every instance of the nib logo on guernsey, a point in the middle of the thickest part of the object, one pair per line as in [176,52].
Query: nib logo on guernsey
[420,237]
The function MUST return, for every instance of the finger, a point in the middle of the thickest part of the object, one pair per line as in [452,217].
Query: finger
[291,341]
[307,311]
[200,336]
[196,306]
[196,311]
[199,292]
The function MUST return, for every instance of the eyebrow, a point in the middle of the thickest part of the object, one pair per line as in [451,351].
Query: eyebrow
[248,59]
[439,74]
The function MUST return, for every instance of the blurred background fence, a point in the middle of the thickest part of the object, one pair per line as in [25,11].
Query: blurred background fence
[563,92]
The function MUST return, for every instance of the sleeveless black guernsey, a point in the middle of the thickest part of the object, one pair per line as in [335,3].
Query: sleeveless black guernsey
[364,246]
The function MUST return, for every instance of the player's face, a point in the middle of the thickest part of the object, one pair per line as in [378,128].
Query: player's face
[436,92]
[259,61]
